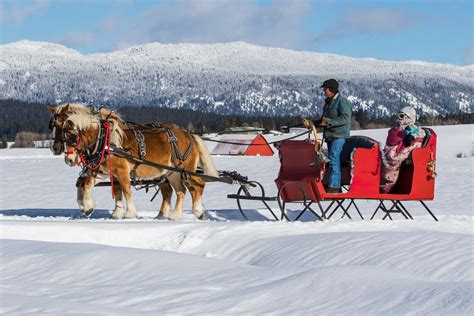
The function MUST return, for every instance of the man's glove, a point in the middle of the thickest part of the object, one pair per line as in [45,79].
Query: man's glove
[322,122]
[308,123]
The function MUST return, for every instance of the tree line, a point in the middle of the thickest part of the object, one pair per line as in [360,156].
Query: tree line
[18,116]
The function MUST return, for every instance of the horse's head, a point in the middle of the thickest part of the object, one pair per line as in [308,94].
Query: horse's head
[59,115]
[72,143]
[56,125]
[79,132]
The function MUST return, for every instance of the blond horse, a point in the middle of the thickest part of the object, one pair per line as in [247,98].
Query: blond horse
[84,184]
[81,132]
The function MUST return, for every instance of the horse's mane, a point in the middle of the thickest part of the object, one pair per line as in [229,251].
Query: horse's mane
[77,108]
[107,114]
[84,121]
[73,108]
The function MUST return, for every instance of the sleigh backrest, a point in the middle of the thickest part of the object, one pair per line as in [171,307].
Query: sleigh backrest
[295,159]
[352,144]
[296,171]
[416,173]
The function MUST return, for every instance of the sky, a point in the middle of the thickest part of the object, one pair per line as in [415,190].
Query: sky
[438,31]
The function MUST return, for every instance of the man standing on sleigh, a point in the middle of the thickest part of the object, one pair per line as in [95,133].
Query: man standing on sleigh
[336,121]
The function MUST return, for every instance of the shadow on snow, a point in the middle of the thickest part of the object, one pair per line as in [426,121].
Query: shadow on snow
[221,215]
[52,213]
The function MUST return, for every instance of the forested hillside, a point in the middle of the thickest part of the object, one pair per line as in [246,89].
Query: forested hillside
[19,116]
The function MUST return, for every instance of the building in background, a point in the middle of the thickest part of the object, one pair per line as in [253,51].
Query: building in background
[242,145]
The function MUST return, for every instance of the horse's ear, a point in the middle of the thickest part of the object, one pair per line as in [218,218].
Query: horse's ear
[103,112]
[106,114]
[51,109]
[67,109]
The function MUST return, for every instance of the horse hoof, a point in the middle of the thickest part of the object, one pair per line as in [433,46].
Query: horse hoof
[203,216]
[130,216]
[87,213]
[173,217]
[116,216]
[161,217]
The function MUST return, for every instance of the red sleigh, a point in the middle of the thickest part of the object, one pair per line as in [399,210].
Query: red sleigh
[299,182]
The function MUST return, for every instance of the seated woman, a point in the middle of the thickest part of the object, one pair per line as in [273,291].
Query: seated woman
[401,140]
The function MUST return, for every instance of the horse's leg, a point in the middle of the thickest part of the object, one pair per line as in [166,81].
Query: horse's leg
[118,211]
[166,192]
[127,191]
[80,193]
[196,188]
[122,174]
[177,184]
[84,195]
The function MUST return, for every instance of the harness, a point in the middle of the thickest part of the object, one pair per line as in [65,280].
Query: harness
[139,138]
[176,154]
[91,160]
[178,159]
[156,127]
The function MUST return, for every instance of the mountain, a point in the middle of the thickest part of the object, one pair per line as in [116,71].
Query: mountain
[238,78]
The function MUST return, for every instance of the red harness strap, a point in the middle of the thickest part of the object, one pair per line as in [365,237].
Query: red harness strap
[102,157]
[107,128]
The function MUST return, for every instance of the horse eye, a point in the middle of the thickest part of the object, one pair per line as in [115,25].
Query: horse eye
[70,137]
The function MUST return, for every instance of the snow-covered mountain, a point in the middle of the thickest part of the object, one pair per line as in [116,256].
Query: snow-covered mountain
[228,78]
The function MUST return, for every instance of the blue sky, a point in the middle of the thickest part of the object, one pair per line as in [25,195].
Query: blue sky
[438,31]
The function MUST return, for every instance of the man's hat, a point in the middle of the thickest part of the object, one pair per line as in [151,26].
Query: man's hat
[331,84]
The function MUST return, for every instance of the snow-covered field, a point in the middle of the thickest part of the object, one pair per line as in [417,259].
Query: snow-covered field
[52,262]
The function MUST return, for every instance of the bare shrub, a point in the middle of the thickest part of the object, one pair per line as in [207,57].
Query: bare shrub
[26,139]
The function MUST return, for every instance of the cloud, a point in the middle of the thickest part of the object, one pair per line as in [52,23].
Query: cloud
[375,21]
[278,23]
[379,20]
[75,39]
[110,23]
[18,11]
[469,55]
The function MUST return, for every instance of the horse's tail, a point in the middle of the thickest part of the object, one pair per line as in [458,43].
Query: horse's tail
[205,160]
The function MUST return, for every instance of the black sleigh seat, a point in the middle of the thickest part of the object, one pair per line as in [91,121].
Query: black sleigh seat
[351,144]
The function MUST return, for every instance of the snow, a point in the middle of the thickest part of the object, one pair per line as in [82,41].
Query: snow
[53,262]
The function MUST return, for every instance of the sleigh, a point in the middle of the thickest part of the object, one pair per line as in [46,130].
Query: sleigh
[299,182]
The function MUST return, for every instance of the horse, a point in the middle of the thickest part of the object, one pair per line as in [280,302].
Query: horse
[84,183]
[81,133]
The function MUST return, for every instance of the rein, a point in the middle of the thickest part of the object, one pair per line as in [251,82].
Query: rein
[269,143]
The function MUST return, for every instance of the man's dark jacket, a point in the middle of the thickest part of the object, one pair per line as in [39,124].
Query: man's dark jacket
[338,111]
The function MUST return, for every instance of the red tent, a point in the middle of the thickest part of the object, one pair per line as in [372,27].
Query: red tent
[243,144]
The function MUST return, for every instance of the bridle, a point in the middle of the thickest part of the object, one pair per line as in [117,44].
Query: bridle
[57,146]
[91,155]
[71,140]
